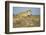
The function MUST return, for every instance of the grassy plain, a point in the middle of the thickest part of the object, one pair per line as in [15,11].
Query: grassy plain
[26,21]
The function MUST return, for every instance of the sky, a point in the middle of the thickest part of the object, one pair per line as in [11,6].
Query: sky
[35,11]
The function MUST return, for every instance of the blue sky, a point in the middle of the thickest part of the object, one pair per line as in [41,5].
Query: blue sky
[35,11]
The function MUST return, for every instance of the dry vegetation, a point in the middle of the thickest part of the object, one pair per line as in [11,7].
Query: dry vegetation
[26,21]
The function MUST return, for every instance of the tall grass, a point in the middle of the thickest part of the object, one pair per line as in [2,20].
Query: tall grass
[28,21]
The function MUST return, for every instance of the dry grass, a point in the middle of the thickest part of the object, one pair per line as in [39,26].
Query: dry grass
[27,21]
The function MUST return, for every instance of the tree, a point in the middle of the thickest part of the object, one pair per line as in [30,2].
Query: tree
[29,12]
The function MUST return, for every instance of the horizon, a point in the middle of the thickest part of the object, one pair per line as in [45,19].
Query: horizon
[17,10]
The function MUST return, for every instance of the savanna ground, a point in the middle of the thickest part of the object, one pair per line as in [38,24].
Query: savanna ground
[28,21]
